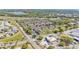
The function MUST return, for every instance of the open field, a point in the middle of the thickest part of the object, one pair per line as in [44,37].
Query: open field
[18,36]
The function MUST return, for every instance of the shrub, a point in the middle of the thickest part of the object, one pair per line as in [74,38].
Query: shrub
[40,38]
[24,46]
[51,47]
[33,36]
[62,44]
[67,39]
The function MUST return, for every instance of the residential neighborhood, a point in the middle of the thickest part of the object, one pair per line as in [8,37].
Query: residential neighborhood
[39,29]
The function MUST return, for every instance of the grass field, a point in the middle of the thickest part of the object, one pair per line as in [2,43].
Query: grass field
[14,38]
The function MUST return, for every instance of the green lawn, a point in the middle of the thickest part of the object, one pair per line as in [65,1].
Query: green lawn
[12,22]
[15,37]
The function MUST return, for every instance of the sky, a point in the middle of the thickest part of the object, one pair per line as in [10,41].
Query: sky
[39,4]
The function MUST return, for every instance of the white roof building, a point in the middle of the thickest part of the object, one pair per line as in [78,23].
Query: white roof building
[51,38]
[1,36]
[48,40]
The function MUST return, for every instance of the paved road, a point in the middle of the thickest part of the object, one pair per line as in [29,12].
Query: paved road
[28,38]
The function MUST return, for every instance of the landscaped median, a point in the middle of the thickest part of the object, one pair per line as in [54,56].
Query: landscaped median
[16,37]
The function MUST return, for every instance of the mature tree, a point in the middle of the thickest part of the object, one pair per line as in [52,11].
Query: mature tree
[33,36]
[28,30]
[40,37]
[46,31]
[62,43]
[55,30]
[24,46]
[61,29]
[67,39]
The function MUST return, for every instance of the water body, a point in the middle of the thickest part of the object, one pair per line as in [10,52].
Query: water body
[17,13]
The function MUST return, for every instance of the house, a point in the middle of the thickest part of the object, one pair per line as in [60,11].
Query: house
[14,29]
[4,25]
[1,36]
[49,40]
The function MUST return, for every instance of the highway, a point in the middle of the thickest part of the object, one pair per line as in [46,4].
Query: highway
[35,46]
